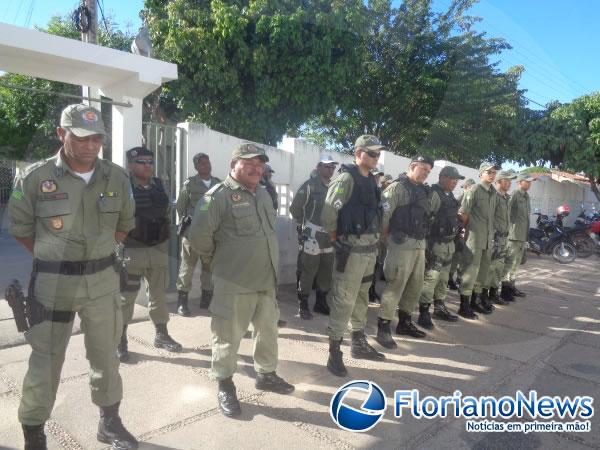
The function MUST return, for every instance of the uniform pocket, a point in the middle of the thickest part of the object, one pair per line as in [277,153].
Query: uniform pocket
[110,208]
[56,215]
[246,221]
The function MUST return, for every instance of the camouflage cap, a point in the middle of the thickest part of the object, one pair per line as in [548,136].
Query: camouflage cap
[82,120]
[525,177]
[198,156]
[369,142]
[451,172]
[469,182]
[505,175]
[487,165]
[247,151]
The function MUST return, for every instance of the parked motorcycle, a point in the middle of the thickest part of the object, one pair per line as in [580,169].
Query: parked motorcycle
[549,238]
[579,233]
[591,220]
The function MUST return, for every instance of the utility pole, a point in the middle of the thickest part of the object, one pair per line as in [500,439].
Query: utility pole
[90,37]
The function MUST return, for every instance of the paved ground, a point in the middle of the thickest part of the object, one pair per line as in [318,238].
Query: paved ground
[549,341]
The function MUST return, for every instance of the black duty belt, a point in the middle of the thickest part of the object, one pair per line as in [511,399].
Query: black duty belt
[73,267]
[363,248]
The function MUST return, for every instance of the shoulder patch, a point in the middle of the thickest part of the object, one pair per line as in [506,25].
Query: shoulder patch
[33,167]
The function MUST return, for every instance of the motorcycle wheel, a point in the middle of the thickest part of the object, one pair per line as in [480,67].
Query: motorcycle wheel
[585,247]
[564,253]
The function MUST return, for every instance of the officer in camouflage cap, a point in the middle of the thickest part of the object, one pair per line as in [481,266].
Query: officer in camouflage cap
[499,267]
[69,211]
[477,214]
[192,191]
[234,232]
[352,216]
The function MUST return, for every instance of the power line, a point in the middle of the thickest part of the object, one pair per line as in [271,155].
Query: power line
[18,11]
[101,6]
[534,102]
[29,13]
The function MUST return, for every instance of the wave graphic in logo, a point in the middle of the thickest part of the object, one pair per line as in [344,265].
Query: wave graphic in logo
[358,419]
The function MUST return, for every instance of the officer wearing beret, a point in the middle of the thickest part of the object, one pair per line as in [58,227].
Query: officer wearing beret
[520,210]
[499,267]
[192,191]
[233,231]
[69,211]
[440,248]
[147,250]
[477,214]
[406,221]
[352,216]
[316,252]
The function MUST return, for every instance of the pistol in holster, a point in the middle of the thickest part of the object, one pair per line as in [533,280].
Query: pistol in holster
[430,258]
[183,225]
[27,311]
[342,253]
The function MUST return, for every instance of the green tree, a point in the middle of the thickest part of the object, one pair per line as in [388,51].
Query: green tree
[258,68]
[28,120]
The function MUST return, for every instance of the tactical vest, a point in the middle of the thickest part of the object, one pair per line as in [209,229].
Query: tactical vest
[151,220]
[362,213]
[413,219]
[445,223]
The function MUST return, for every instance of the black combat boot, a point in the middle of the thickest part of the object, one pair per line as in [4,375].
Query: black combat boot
[516,292]
[495,298]
[182,304]
[486,303]
[452,284]
[34,437]
[384,334]
[112,431]
[477,306]
[361,349]
[227,398]
[205,298]
[303,309]
[122,350]
[465,308]
[163,340]
[506,292]
[321,305]
[407,327]
[374,297]
[424,319]
[335,363]
[273,383]
[441,312]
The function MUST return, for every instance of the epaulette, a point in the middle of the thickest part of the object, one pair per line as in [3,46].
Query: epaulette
[33,167]
[213,190]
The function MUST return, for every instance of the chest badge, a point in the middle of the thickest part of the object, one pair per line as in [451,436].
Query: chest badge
[236,197]
[48,186]
[56,223]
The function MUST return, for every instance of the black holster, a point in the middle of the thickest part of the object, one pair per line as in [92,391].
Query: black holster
[342,253]
[183,225]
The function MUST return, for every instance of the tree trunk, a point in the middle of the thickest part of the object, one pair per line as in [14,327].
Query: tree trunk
[594,187]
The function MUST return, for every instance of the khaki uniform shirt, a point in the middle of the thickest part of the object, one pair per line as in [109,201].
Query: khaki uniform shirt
[307,207]
[520,209]
[395,196]
[72,221]
[234,231]
[339,192]
[501,216]
[192,191]
[479,203]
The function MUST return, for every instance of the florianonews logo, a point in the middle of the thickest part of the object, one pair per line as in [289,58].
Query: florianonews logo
[360,419]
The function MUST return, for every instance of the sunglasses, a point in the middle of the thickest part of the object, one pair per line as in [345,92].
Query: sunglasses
[149,162]
[373,153]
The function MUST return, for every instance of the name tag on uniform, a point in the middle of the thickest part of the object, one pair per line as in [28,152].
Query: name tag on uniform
[49,197]
[237,205]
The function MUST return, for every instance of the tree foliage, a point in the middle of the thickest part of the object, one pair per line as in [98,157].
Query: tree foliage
[28,120]
[258,68]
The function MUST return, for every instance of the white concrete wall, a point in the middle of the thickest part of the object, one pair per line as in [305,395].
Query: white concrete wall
[296,158]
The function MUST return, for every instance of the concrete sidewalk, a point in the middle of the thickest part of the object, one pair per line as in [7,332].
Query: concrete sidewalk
[549,341]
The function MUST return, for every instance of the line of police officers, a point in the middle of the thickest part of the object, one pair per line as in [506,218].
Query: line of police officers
[70,210]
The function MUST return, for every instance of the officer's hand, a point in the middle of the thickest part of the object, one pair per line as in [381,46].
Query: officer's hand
[333,236]
[120,236]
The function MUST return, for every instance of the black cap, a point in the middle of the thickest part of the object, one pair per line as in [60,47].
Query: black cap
[422,159]
[138,151]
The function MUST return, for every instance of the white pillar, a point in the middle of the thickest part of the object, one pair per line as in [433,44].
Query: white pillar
[126,128]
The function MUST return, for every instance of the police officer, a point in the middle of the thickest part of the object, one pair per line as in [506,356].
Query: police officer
[352,216]
[406,221]
[193,189]
[459,243]
[440,248]
[233,231]
[499,266]
[477,214]
[266,182]
[520,210]
[69,211]
[147,250]
[316,254]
